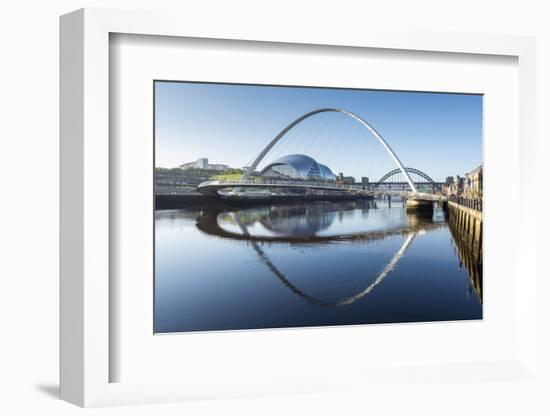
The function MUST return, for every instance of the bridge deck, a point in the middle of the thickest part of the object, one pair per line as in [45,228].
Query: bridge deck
[212,188]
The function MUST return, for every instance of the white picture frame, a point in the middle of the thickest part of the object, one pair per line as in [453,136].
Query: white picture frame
[85,204]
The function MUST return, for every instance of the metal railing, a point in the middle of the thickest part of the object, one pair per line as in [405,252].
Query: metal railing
[258,181]
[321,185]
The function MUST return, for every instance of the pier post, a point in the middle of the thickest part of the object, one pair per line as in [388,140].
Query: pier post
[420,206]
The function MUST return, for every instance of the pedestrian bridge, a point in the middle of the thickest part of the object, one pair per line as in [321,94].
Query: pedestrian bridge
[263,184]
[212,188]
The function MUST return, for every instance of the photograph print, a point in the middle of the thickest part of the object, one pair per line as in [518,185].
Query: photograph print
[293,207]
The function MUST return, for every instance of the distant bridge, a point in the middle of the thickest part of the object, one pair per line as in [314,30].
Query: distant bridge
[396,172]
[420,179]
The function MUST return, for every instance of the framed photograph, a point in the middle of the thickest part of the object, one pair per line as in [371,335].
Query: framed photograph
[281,212]
[301,234]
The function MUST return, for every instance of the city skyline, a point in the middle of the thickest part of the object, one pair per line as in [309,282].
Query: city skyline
[216,166]
[230,124]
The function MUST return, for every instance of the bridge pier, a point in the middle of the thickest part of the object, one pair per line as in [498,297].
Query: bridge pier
[420,206]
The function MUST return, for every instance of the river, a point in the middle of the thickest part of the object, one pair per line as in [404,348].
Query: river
[308,264]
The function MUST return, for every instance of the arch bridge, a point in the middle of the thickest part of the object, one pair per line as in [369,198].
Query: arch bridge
[212,188]
[393,180]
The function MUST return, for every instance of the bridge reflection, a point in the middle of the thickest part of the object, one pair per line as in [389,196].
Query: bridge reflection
[341,302]
[311,223]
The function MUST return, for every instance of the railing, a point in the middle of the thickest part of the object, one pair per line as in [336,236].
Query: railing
[302,184]
[312,184]
[321,185]
[469,202]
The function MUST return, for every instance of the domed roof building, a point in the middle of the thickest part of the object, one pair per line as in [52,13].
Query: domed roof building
[298,167]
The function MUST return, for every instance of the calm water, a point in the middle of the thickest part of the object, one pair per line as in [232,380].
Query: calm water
[307,265]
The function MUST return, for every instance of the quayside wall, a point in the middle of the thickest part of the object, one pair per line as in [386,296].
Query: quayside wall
[466,225]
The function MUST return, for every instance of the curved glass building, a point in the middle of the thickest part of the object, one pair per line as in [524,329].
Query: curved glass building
[298,167]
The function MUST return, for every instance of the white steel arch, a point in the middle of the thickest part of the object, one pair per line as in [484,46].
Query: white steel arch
[383,142]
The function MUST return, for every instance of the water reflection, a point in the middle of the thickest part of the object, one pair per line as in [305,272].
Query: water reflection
[329,256]
[346,301]
[467,261]
[305,222]
[315,222]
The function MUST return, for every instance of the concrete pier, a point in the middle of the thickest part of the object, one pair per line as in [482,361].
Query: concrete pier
[421,206]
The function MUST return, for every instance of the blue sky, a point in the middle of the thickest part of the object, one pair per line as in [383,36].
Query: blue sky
[440,134]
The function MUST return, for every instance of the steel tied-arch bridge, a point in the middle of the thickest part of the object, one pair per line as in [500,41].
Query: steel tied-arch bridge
[425,180]
[409,170]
